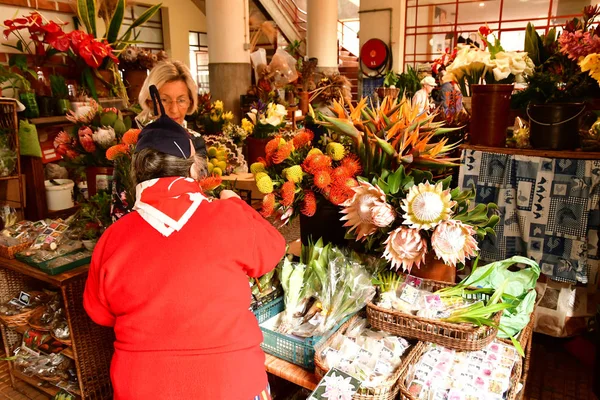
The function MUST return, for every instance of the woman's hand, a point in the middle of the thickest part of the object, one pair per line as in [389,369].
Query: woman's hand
[227,194]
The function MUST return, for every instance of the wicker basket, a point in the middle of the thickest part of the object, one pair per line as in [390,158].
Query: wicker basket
[525,338]
[464,337]
[415,355]
[387,391]
[34,319]
[10,252]
[19,319]
[66,342]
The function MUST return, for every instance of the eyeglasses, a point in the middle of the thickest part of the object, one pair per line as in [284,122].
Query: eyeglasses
[181,102]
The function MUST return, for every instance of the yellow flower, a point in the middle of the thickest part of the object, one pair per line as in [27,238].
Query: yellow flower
[264,184]
[218,105]
[335,151]
[314,151]
[257,167]
[259,175]
[591,63]
[247,125]
[228,116]
[214,117]
[294,173]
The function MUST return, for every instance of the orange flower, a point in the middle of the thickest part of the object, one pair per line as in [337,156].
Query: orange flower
[309,204]
[210,182]
[316,162]
[115,151]
[284,151]
[272,145]
[352,164]
[338,194]
[322,179]
[303,138]
[268,205]
[350,183]
[287,193]
[131,136]
[340,174]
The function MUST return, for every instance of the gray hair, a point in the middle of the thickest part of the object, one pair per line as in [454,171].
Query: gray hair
[151,164]
[165,72]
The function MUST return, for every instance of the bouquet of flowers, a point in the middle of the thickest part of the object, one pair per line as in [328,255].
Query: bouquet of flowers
[294,174]
[493,65]
[213,118]
[404,217]
[134,57]
[392,133]
[580,41]
[264,120]
[95,130]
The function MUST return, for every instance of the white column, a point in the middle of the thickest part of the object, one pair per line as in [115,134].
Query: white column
[228,31]
[321,32]
[228,57]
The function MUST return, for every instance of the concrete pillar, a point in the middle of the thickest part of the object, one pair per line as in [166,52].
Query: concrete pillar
[321,33]
[228,55]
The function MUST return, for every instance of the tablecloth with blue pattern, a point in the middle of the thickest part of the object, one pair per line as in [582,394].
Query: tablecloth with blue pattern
[549,210]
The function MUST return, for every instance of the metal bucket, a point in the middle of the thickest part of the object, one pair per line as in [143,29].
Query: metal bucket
[555,126]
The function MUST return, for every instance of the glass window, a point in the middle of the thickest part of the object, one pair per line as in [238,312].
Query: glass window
[199,60]
[150,36]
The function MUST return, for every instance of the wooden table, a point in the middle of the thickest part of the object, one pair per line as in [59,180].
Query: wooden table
[291,372]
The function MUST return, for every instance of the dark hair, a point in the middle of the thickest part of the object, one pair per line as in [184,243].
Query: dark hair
[151,164]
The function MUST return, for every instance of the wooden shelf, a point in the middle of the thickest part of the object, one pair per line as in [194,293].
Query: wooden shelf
[50,120]
[38,383]
[8,178]
[579,155]
[68,352]
[56,280]
[291,372]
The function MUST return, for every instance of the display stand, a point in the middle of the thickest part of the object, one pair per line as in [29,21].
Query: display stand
[10,123]
[92,345]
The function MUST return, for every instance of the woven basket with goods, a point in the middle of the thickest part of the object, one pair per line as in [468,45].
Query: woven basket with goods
[14,313]
[452,335]
[11,251]
[388,390]
[409,391]
[20,319]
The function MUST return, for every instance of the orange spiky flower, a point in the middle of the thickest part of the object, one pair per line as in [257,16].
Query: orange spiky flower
[268,205]
[316,162]
[322,179]
[338,194]
[131,136]
[210,182]
[283,152]
[352,164]
[303,138]
[340,174]
[115,151]
[287,193]
[309,204]
[273,145]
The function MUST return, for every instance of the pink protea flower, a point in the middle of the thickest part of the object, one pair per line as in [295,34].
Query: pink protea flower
[427,205]
[359,209]
[62,138]
[84,114]
[453,242]
[404,248]
[86,140]
[383,215]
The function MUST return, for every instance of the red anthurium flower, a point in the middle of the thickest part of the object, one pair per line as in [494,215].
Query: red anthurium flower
[485,31]
[77,39]
[59,42]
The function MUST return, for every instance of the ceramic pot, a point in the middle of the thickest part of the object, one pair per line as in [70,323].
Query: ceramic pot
[134,80]
[256,148]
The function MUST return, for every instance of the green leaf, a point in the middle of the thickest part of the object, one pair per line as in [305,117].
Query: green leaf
[394,182]
[88,81]
[384,186]
[144,18]
[116,22]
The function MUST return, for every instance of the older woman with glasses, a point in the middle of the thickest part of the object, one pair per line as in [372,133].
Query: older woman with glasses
[179,95]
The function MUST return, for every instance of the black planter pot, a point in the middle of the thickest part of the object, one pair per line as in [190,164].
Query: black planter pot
[324,224]
[555,126]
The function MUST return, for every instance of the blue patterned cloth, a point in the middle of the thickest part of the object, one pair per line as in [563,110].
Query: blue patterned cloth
[549,210]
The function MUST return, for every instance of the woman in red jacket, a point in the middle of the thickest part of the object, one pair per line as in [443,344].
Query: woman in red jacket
[171,278]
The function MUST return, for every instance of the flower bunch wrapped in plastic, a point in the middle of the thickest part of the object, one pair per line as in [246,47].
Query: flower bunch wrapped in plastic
[404,216]
[264,120]
[295,174]
[324,288]
[94,131]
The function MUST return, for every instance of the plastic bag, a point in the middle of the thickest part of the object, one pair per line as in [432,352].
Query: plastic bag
[259,57]
[283,66]
[521,285]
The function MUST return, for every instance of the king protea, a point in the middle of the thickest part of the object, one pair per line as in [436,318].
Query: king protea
[361,209]
[404,248]
[453,242]
[427,205]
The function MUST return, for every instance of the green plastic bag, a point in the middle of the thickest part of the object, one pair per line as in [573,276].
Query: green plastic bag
[28,139]
[521,286]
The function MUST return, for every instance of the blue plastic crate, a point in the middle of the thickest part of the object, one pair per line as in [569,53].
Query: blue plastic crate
[297,350]
[269,309]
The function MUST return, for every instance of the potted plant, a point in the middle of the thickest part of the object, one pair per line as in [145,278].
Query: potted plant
[389,86]
[555,97]
[22,88]
[409,82]
[92,219]
[263,122]
[135,63]
[60,92]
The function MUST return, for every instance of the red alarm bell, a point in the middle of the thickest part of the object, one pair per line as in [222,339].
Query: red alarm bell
[374,53]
